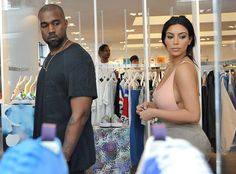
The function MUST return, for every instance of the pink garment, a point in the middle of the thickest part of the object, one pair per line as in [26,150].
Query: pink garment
[163,96]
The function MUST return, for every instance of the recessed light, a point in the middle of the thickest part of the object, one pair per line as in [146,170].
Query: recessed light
[129,31]
[68,17]
[71,25]
[75,33]
[201,10]
[132,14]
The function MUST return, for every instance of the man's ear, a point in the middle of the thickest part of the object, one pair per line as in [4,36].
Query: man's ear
[66,23]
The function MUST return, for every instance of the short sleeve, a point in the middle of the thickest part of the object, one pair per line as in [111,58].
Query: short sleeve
[82,81]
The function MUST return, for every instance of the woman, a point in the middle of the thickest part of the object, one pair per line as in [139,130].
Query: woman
[176,98]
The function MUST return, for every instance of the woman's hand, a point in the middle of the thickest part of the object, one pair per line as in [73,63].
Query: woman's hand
[147,114]
[141,107]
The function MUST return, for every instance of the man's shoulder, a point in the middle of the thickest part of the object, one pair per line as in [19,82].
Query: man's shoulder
[76,53]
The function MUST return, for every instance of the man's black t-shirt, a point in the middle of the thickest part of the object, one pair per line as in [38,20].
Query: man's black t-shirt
[69,74]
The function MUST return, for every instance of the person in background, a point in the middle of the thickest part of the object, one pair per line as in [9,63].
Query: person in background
[65,89]
[104,53]
[134,59]
[176,98]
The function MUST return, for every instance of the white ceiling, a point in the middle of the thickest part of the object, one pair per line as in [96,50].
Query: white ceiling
[114,21]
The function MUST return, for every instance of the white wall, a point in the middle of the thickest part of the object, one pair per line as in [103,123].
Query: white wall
[20,38]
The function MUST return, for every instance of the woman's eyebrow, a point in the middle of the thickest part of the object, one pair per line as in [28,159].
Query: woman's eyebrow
[177,33]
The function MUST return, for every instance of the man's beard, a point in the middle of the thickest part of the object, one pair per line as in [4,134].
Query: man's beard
[55,43]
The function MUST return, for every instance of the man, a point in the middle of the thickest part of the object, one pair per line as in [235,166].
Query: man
[134,59]
[65,89]
[104,53]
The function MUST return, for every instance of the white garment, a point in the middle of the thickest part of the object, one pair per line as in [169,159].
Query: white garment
[105,70]
[109,97]
[94,116]
[101,105]
[228,120]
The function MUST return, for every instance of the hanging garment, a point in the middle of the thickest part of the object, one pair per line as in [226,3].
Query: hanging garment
[125,113]
[109,97]
[228,120]
[231,91]
[205,120]
[119,99]
[136,130]
[211,133]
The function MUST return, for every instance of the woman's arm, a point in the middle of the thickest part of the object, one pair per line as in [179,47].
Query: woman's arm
[186,82]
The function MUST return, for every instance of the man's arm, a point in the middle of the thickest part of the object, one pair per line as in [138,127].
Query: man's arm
[80,113]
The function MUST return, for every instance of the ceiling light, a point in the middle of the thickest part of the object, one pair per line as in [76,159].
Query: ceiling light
[76,38]
[75,33]
[231,26]
[202,39]
[202,11]
[52,2]
[129,31]
[68,17]
[71,25]
[132,14]
[139,14]
[82,38]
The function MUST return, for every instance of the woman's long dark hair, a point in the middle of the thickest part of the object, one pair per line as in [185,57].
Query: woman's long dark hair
[182,20]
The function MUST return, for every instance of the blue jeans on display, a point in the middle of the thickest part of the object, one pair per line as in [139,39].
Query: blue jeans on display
[136,130]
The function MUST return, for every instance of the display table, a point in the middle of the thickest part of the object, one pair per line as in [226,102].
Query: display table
[112,150]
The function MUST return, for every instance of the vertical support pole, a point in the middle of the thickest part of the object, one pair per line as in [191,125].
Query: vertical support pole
[96,49]
[146,56]
[217,56]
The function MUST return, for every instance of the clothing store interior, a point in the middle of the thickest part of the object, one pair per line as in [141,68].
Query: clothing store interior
[124,141]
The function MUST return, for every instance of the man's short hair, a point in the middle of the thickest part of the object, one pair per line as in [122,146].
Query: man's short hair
[102,48]
[50,7]
[134,57]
